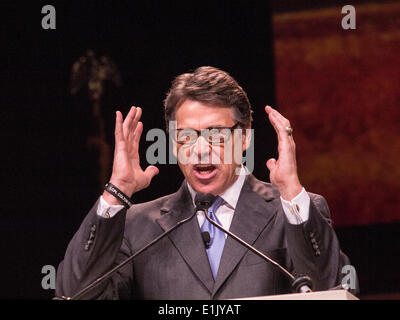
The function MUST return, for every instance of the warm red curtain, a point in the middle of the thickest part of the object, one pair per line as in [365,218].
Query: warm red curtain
[341,91]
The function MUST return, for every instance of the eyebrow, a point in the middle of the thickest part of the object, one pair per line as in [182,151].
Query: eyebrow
[210,127]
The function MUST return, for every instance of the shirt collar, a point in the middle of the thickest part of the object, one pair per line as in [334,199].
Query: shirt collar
[230,195]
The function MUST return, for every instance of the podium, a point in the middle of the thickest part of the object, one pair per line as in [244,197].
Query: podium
[317,295]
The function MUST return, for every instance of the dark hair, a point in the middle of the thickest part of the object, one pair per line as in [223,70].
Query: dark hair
[208,85]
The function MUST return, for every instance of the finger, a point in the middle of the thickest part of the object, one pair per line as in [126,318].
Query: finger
[135,121]
[276,118]
[128,120]
[273,122]
[136,139]
[268,109]
[271,164]
[276,123]
[280,123]
[286,146]
[119,133]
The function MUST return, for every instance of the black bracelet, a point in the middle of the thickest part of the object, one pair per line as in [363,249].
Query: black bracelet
[110,188]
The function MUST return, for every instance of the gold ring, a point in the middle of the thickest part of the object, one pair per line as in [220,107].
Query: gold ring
[289,130]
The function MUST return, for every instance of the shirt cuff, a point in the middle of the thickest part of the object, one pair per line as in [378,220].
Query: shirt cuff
[106,210]
[298,209]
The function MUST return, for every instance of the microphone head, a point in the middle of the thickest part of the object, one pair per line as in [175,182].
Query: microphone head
[204,201]
[206,238]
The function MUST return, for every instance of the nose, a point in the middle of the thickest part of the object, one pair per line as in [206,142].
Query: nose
[202,150]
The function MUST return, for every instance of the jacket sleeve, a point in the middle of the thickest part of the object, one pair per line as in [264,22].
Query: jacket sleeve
[314,248]
[96,247]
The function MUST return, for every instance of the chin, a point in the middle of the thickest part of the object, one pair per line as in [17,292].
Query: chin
[206,188]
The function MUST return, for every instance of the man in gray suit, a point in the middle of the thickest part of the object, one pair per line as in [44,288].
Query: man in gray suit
[280,219]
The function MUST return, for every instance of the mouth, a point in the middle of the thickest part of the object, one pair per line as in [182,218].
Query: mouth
[204,171]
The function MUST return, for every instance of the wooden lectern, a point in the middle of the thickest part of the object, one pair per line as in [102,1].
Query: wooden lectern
[317,295]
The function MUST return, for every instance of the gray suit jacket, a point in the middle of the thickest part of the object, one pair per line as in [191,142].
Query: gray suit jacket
[177,267]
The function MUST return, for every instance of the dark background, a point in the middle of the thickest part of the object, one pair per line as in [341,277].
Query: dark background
[48,174]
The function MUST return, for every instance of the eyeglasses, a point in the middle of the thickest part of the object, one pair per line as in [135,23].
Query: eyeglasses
[213,135]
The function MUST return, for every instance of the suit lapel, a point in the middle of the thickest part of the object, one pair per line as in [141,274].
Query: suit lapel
[187,237]
[252,214]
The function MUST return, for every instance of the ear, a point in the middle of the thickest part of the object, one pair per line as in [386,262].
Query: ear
[171,131]
[246,137]
[174,148]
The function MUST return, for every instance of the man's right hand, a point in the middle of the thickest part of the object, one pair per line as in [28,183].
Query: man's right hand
[127,175]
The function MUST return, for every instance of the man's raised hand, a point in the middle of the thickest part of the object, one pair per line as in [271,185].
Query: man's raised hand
[127,175]
[283,172]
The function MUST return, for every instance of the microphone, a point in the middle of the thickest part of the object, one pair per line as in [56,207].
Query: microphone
[204,201]
[301,284]
[206,238]
[204,204]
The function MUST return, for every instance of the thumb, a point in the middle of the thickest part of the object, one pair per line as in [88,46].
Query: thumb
[271,164]
[151,171]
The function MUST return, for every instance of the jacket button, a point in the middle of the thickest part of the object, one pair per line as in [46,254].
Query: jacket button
[88,244]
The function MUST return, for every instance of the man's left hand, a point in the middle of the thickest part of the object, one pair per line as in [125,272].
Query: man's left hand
[283,172]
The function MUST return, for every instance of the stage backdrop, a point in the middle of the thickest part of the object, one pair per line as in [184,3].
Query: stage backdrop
[340,89]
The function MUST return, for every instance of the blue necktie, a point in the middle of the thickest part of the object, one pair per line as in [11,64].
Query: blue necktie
[217,237]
